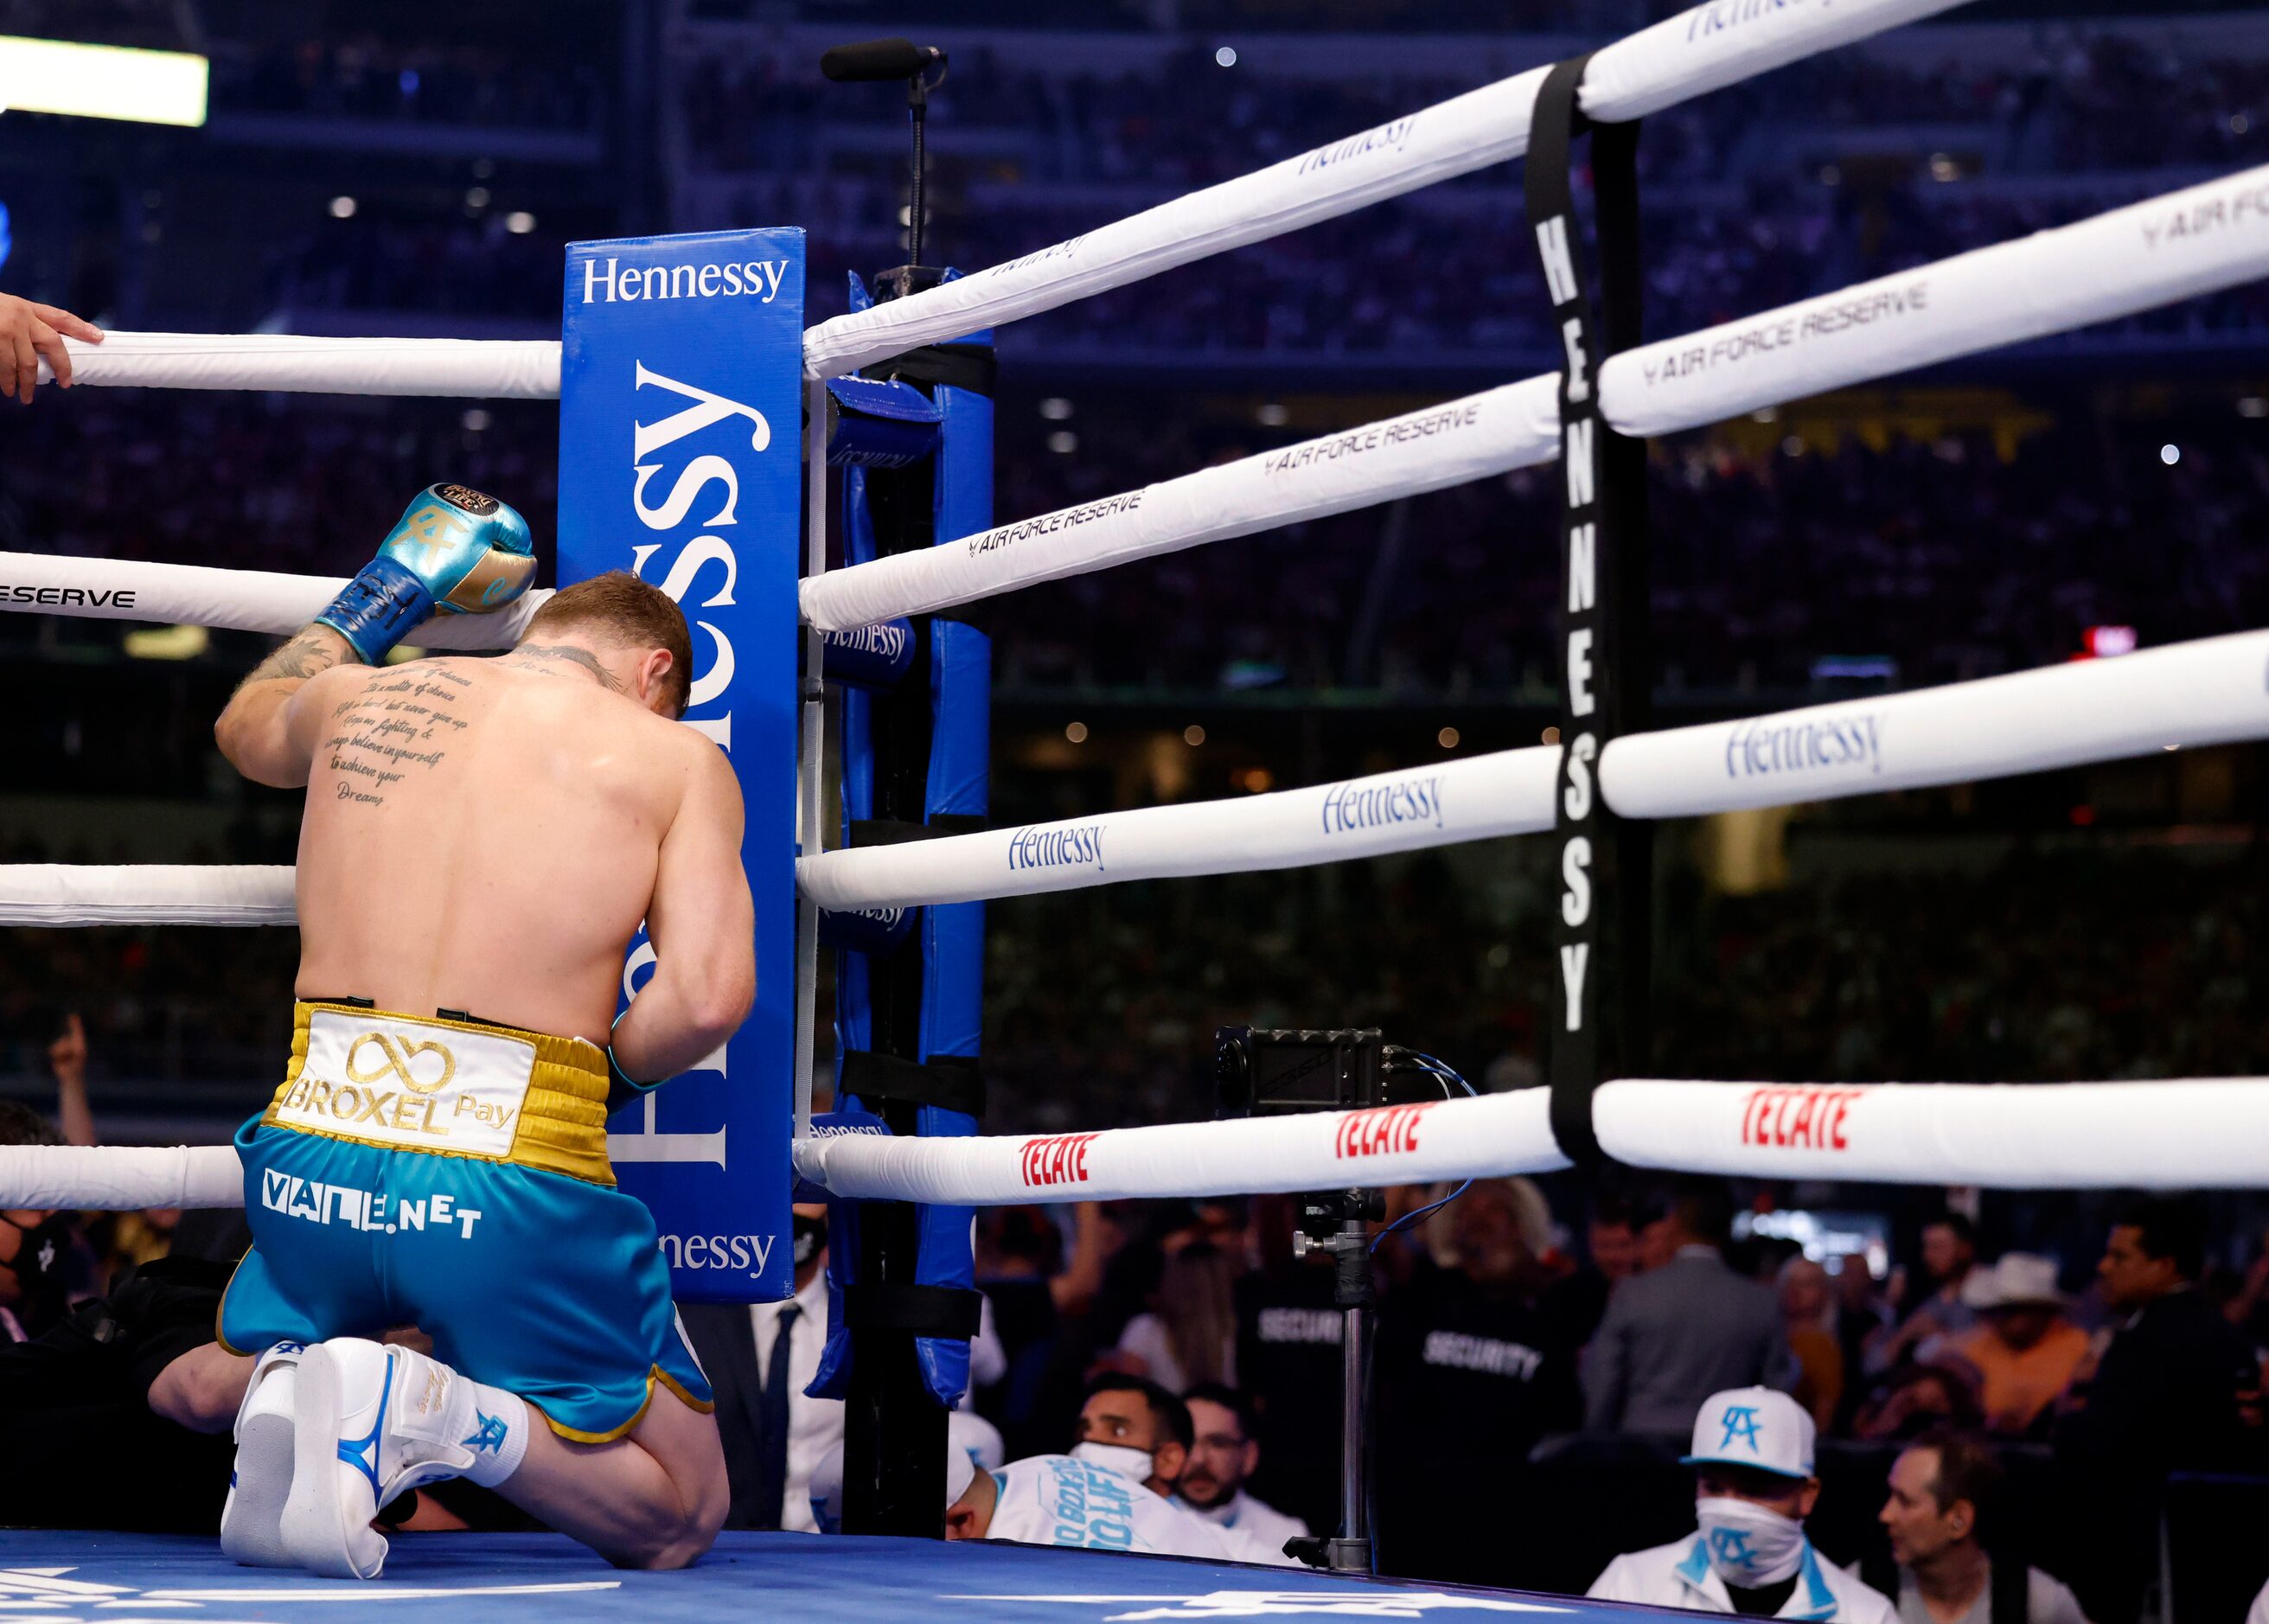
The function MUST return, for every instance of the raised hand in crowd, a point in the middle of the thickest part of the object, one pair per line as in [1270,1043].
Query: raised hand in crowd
[67,1058]
[31,333]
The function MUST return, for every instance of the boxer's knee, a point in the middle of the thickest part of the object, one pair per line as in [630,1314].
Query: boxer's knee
[687,1447]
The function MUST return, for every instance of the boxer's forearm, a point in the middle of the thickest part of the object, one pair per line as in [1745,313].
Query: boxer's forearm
[250,729]
[678,1021]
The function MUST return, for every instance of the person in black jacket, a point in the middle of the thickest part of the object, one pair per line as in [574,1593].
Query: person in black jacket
[1469,1378]
[2166,1397]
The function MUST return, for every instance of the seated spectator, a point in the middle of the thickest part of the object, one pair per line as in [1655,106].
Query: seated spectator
[1191,1336]
[1807,1304]
[2025,1351]
[1945,1494]
[1574,1304]
[1917,1397]
[1223,1453]
[1084,1503]
[1689,1328]
[1753,1485]
[1949,1251]
[1110,1494]
[2166,1395]
[1136,1427]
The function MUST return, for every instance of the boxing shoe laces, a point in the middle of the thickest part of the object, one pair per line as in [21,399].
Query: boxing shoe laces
[261,1479]
[374,1421]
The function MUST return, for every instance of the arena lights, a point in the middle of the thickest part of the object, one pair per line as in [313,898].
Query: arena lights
[167,643]
[1063,442]
[1273,415]
[102,81]
[2171,455]
[1077,731]
[519,222]
[1447,738]
[2105,642]
[342,208]
[1194,735]
[1226,56]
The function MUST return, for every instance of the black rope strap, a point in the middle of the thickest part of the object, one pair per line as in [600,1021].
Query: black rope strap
[920,1311]
[897,831]
[1599,940]
[954,1082]
[959,366]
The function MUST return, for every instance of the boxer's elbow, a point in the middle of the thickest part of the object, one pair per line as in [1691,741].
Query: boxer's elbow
[721,999]
[256,747]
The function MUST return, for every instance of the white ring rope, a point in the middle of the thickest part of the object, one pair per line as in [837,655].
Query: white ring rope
[467,368]
[2183,1133]
[2079,1135]
[1699,50]
[2153,253]
[194,594]
[64,894]
[2211,691]
[2208,692]
[117,1178]
[1515,426]
[2187,1133]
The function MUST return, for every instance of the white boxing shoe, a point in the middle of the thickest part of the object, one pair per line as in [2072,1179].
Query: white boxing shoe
[260,1481]
[373,1422]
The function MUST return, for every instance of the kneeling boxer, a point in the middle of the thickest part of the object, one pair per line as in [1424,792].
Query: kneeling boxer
[482,839]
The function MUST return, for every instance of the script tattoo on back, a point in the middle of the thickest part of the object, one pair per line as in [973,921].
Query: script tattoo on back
[556,654]
[392,729]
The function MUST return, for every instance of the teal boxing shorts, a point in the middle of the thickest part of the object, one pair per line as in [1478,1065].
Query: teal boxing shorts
[440,1174]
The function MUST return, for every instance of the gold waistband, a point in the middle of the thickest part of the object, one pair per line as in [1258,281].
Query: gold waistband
[560,1127]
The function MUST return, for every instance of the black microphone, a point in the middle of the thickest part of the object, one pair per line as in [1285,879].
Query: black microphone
[879,60]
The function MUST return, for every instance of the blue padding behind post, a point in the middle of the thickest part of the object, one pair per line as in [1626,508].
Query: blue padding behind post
[854,1015]
[953,936]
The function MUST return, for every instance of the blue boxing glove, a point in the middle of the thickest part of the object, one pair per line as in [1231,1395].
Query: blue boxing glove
[455,551]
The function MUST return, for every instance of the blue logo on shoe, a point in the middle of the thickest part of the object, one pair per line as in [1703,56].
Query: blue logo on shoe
[489,1436]
[362,1453]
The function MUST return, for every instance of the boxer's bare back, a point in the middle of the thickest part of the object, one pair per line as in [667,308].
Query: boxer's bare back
[485,835]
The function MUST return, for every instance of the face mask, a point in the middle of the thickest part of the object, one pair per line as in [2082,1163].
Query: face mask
[1748,1544]
[811,1234]
[38,1266]
[1119,1457]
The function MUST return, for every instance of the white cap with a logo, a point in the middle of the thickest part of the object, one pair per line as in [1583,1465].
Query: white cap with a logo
[1752,1427]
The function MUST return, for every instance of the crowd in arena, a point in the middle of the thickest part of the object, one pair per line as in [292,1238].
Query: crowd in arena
[1536,1374]
[1744,212]
[375,78]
